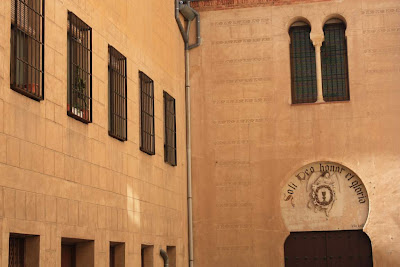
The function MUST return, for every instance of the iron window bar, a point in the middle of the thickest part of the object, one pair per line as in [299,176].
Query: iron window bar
[27,48]
[335,80]
[117,94]
[147,133]
[16,251]
[170,130]
[302,62]
[79,104]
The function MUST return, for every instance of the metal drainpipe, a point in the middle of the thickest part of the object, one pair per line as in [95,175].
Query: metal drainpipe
[189,157]
[164,255]
[185,36]
[189,149]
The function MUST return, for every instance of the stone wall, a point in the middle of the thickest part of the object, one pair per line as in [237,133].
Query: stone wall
[207,5]
[61,178]
[248,139]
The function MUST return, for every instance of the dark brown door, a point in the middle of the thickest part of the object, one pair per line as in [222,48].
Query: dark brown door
[328,249]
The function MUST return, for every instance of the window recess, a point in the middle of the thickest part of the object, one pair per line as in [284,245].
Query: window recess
[27,48]
[117,254]
[302,62]
[171,251]
[147,133]
[23,250]
[77,252]
[79,69]
[117,94]
[147,259]
[335,80]
[170,130]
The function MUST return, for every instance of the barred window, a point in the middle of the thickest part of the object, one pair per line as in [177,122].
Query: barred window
[16,251]
[302,61]
[170,130]
[27,49]
[147,142]
[335,80]
[117,94]
[23,250]
[79,69]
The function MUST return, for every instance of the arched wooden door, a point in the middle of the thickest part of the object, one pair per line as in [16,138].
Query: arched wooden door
[328,249]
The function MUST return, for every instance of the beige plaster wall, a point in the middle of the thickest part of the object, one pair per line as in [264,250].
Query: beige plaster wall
[62,178]
[248,139]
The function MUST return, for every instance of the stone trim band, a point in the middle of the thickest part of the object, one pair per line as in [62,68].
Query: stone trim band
[210,5]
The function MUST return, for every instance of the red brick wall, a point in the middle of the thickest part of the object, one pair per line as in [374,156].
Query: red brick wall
[206,5]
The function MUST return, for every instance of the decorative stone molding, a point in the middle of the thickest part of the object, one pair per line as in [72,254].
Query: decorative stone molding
[209,5]
[317,42]
[324,196]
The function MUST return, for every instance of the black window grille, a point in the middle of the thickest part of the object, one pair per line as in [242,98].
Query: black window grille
[16,252]
[147,140]
[79,69]
[117,94]
[27,49]
[302,60]
[335,80]
[170,130]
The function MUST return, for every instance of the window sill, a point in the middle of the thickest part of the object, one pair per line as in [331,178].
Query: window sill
[321,103]
[122,139]
[170,164]
[26,93]
[150,153]
[78,118]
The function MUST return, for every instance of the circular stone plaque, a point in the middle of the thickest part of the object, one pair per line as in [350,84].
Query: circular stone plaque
[324,196]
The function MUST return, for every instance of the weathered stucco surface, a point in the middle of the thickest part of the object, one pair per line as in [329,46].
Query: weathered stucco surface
[249,139]
[62,178]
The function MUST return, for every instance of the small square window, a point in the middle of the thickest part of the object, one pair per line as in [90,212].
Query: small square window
[147,255]
[171,251]
[76,252]
[117,254]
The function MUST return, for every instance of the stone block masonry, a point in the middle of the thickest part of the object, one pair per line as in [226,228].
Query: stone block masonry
[65,181]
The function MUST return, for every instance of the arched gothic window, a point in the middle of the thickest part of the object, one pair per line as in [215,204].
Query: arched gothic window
[302,61]
[335,78]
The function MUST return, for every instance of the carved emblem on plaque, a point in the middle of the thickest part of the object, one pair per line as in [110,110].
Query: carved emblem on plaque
[324,196]
[322,188]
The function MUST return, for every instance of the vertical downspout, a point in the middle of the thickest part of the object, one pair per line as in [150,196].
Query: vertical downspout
[189,150]
[185,36]
[164,255]
[189,156]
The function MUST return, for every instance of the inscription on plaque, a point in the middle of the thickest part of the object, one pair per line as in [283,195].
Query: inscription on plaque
[324,196]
